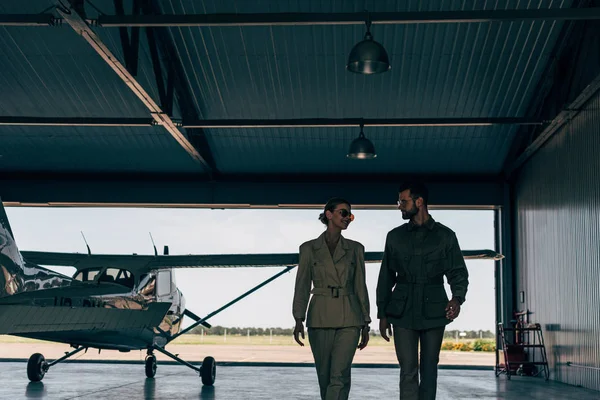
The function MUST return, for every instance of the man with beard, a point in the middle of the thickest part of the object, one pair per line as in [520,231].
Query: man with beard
[410,291]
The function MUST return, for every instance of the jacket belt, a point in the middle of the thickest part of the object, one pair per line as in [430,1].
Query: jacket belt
[333,291]
[438,280]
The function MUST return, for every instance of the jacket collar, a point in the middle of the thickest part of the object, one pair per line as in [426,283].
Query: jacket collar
[320,242]
[429,224]
[323,253]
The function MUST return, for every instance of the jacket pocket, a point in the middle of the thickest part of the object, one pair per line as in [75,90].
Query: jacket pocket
[318,271]
[400,263]
[435,302]
[395,307]
[435,262]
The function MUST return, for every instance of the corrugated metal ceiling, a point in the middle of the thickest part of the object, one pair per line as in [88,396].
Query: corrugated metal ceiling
[468,70]
[438,70]
[44,71]
[92,149]
[453,150]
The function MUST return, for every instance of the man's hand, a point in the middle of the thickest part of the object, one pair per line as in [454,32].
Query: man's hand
[364,337]
[452,309]
[299,330]
[384,328]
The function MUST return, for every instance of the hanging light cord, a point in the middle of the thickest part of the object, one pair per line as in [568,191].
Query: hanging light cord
[368,24]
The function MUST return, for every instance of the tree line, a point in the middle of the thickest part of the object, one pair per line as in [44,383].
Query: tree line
[220,330]
[469,334]
[252,331]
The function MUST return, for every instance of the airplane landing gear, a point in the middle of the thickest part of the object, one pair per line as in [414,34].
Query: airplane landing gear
[150,363]
[208,370]
[37,366]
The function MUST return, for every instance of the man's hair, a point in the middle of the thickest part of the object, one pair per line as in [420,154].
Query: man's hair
[417,189]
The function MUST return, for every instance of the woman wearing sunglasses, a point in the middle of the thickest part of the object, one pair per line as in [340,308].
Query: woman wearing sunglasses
[338,314]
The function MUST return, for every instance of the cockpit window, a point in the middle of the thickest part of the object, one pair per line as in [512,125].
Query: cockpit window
[147,286]
[163,286]
[87,275]
[118,276]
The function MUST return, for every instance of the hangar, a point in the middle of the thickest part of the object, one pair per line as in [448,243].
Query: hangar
[228,103]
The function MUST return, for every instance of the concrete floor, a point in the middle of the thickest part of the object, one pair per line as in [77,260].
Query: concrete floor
[127,381]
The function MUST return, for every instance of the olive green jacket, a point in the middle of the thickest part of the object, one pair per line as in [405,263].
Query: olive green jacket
[339,291]
[410,288]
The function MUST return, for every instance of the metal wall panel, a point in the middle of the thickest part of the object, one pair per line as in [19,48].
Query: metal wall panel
[557,249]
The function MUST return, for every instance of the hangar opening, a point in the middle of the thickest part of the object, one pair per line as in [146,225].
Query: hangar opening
[469,341]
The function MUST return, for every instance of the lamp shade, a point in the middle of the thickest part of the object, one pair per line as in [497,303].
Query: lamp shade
[361,148]
[368,57]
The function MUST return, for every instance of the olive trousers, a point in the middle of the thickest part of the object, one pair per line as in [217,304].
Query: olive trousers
[406,342]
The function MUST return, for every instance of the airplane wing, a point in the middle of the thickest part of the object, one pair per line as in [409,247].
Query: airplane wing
[149,262]
[23,318]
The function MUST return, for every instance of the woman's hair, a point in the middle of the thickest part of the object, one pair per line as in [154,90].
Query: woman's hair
[330,206]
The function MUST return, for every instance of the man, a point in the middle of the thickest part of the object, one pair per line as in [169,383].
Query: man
[411,294]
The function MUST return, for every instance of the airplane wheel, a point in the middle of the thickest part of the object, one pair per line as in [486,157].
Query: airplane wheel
[208,371]
[36,367]
[150,366]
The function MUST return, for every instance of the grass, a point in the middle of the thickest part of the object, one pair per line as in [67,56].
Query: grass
[257,340]
[375,340]
[15,339]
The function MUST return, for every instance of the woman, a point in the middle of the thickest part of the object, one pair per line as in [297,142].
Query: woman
[338,313]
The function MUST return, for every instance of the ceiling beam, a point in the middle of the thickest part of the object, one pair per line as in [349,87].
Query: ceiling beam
[240,190]
[271,123]
[78,24]
[76,121]
[350,122]
[282,19]
[42,19]
[358,18]
[163,43]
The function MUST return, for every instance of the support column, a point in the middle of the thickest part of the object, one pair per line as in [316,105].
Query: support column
[505,268]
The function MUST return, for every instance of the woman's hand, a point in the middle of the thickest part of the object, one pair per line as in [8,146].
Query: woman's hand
[364,337]
[299,330]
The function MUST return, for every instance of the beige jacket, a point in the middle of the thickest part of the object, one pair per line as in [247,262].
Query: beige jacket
[340,297]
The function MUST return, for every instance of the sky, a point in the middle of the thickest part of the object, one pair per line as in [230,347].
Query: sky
[235,231]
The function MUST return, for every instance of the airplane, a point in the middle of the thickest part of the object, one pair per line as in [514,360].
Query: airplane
[116,302]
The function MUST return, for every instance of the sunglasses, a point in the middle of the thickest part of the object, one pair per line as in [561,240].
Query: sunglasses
[344,213]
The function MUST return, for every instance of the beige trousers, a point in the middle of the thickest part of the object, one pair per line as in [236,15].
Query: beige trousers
[333,350]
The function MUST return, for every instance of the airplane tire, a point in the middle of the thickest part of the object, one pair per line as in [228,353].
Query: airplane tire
[208,371]
[36,367]
[150,366]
